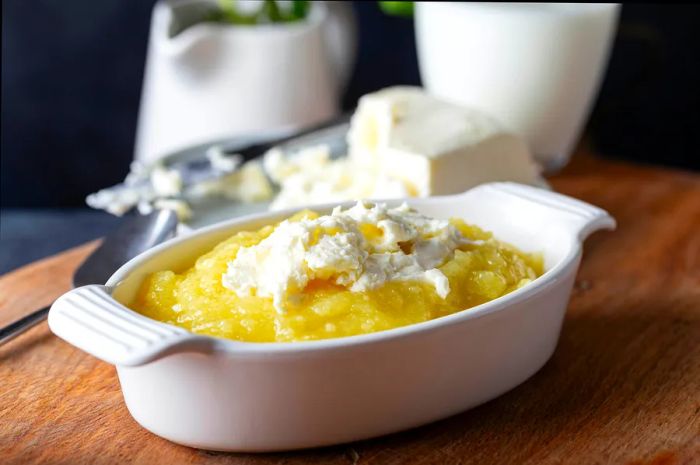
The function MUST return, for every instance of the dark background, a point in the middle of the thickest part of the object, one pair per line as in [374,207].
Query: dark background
[72,71]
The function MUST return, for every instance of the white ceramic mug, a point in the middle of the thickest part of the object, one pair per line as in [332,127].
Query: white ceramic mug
[211,80]
[536,67]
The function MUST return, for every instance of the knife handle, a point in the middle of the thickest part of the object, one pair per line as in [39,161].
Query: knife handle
[16,328]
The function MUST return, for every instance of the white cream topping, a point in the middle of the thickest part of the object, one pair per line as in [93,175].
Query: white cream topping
[360,248]
[147,188]
[246,184]
[166,182]
[311,176]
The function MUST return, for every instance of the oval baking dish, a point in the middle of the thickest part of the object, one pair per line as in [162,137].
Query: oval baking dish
[221,394]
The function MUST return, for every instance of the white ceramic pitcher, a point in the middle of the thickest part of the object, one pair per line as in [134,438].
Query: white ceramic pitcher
[212,80]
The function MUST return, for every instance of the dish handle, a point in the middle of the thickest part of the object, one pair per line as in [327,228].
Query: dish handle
[580,218]
[91,319]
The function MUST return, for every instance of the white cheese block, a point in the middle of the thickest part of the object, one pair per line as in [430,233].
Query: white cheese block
[433,146]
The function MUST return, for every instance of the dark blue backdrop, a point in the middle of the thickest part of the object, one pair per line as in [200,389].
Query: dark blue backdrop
[71,78]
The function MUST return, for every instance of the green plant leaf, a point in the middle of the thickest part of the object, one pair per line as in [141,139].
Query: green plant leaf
[403,9]
[300,8]
[230,14]
[269,12]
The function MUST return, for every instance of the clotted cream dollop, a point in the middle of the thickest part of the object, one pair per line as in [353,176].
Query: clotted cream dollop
[359,248]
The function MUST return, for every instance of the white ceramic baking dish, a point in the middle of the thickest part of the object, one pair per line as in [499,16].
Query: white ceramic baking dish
[225,395]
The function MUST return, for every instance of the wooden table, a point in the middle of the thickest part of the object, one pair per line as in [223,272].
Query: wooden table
[623,386]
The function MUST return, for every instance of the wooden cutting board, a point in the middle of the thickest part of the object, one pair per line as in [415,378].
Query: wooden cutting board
[623,386]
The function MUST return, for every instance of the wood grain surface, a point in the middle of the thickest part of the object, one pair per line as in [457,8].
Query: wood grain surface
[623,386]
